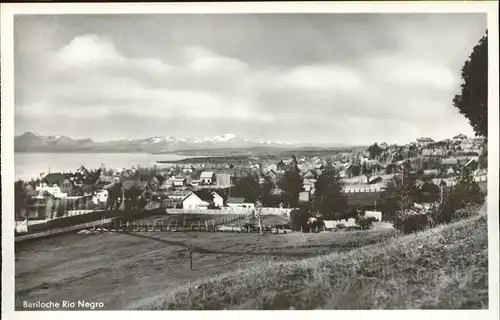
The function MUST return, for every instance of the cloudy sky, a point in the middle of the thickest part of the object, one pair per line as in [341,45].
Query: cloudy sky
[343,78]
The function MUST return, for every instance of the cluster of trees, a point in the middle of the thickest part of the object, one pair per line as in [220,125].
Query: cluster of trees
[472,102]
[375,151]
[330,202]
[290,184]
[400,195]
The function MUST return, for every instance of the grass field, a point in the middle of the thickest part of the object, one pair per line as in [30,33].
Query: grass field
[444,268]
[124,270]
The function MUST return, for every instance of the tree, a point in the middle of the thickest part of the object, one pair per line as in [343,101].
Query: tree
[247,187]
[132,198]
[374,151]
[330,201]
[268,200]
[92,178]
[299,217]
[429,192]
[355,170]
[472,101]
[398,195]
[365,222]
[20,197]
[291,184]
[114,195]
[390,201]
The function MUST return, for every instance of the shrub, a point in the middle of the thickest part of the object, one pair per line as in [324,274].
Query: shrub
[340,226]
[365,222]
[465,193]
[299,217]
[213,206]
[317,224]
[412,223]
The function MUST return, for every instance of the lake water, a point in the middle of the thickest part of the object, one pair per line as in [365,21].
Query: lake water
[31,165]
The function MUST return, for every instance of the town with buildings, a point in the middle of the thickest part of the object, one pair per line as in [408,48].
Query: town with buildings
[203,185]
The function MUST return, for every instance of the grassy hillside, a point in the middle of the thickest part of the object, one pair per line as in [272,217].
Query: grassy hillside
[121,269]
[444,268]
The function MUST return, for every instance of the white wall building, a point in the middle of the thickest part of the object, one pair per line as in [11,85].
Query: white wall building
[100,196]
[201,200]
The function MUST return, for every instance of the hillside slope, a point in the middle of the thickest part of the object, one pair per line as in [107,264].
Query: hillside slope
[444,268]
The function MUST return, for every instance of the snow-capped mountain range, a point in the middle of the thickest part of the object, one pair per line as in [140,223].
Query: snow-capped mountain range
[33,142]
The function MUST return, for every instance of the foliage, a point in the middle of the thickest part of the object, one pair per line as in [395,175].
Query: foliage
[330,201]
[412,223]
[268,199]
[247,187]
[133,200]
[212,206]
[352,212]
[316,225]
[355,170]
[114,196]
[429,192]
[483,161]
[291,184]
[390,201]
[365,222]
[389,169]
[465,192]
[300,216]
[472,101]
[19,197]
[374,151]
[399,195]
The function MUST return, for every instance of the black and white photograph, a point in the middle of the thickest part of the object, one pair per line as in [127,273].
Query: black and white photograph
[295,160]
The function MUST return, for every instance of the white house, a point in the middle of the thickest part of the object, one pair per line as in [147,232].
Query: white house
[207,177]
[201,199]
[422,142]
[217,199]
[375,214]
[179,181]
[239,203]
[459,137]
[100,196]
[54,190]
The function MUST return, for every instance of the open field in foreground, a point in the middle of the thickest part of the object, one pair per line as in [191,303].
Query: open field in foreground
[444,268]
[128,270]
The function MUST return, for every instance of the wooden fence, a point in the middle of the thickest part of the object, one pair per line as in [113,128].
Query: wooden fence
[231,211]
[51,232]
[159,225]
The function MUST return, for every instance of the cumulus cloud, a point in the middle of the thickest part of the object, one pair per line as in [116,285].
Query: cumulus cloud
[97,78]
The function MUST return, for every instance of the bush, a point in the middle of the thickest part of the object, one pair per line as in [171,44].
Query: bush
[213,206]
[299,217]
[318,225]
[340,226]
[466,193]
[412,223]
[365,222]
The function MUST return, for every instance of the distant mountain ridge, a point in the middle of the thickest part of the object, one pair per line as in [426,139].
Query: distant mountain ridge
[33,142]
